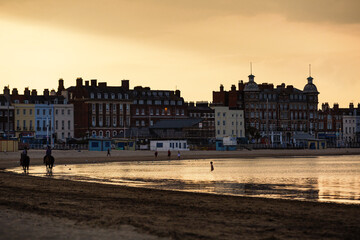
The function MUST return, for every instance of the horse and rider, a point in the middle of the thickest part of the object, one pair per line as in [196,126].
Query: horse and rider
[25,160]
[49,160]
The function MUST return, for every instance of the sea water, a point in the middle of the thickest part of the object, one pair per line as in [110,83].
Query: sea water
[326,178]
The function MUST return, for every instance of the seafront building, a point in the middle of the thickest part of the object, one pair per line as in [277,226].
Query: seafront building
[6,115]
[276,113]
[229,122]
[108,111]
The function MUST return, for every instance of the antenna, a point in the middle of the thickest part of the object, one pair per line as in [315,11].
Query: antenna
[309,70]
[250,68]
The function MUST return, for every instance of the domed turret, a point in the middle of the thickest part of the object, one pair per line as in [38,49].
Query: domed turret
[310,87]
[251,86]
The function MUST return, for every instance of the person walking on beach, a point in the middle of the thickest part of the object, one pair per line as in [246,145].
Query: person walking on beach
[211,166]
[178,155]
[156,154]
[108,153]
[169,154]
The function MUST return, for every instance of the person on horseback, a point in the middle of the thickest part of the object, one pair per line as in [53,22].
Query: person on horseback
[24,152]
[48,151]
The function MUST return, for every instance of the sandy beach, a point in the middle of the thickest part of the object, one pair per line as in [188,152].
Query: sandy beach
[80,210]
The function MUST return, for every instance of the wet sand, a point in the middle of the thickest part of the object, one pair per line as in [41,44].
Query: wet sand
[78,208]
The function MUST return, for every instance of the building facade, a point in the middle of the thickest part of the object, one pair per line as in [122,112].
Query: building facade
[6,115]
[276,113]
[100,110]
[63,121]
[229,122]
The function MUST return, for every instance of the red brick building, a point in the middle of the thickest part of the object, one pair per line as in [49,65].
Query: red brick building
[277,113]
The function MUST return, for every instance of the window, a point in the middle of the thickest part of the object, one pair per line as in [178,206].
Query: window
[93,121]
[100,133]
[56,112]
[107,107]
[114,121]
[62,135]
[62,125]
[69,124]
[100,108]
[107,121]
[108,134]
[99,95]
[92,95]
[114,107]
[62,111]
[37,112]
[105,95]
[69,111]
[56,124]
[24,112]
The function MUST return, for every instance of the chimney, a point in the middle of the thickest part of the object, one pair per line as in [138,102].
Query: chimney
[15,92]
[33,92]
[221,88]
[233,88]
[61,86]
[6,91]
[27,92]
[351,105]
[241,85]
[359,106]
[191,104]
[93,82]
[177,93]
[86,83]
[46,92]
[336,106]
[52,93]
[102,84]
[125,84]
[79,82]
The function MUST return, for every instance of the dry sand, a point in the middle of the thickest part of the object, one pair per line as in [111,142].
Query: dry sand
[78,210]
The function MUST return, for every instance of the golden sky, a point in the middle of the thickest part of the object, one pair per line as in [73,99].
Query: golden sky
[191,45]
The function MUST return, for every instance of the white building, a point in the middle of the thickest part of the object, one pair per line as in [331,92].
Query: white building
[350,128]
[64,121]
[229,122]
[172,145]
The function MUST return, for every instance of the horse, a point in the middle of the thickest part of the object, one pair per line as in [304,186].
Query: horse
[25,162]
[49,163]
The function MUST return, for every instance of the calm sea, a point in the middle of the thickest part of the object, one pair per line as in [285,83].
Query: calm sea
[328,178]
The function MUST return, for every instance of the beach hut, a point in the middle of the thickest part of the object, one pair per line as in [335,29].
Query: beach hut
[99,144]
[8,145]
[124,144]
[164,145]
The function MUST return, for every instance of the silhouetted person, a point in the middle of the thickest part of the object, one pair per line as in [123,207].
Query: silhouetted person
[156,154]
[108,153]
[169,154]
[211,166]
[48,151]
[179,155]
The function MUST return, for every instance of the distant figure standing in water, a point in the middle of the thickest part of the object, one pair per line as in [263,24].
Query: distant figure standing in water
[169,154]
[178,155]
[211,166]
[108,153]
[156,154]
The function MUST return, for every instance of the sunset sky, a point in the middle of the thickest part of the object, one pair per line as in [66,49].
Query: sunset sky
[190,45]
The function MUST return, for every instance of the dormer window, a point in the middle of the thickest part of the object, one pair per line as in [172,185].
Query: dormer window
[112,96]
[105,95]
[26,101]
[126,96]
[92,95]
[119,96]
[99,95]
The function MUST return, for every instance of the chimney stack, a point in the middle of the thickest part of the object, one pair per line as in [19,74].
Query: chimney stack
[33,92]
[177,93]
[221,88]
[102,84]
[6,91]
[27,92]
[79,82]
[93,82]
[125,84]
[15,92]
[46,92]
[86,83]
[61,86]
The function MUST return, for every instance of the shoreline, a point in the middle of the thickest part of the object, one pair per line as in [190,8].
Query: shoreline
[11,159]
[178,215]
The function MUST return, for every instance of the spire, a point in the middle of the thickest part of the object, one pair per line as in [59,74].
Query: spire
[310,79]
[251,76]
